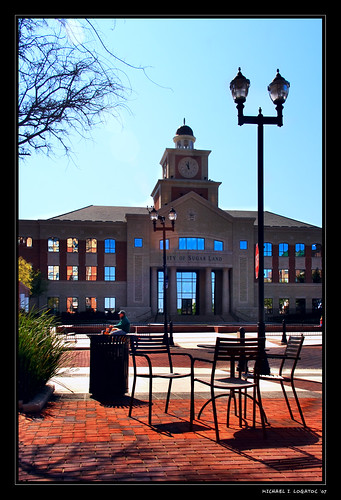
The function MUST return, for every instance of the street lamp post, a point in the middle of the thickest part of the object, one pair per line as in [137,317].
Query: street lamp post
[154,217]
[278,91]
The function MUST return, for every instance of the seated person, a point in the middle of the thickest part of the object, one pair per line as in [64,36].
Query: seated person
[123,324]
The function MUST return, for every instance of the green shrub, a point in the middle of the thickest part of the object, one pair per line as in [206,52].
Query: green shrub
[40,352]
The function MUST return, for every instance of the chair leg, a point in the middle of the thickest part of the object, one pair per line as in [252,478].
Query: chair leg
[287,400]
[132,396]
[192,410]
[168,394]
[298,403]
[261,410]
[215,415]
[150,401]
[231,395]
[240,407]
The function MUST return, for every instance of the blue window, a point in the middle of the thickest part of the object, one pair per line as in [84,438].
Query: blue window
[109,246]
[299,250]
[218,246]
[267,249]
[109,273]
[167,244]
[283,250]
[243,245]
[191,244]
[138,243]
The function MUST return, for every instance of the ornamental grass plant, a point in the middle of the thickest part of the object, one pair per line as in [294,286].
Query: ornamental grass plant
[40,352]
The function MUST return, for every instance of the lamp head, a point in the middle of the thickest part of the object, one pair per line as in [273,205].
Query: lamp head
[239,87]
[278,89]
[172,214]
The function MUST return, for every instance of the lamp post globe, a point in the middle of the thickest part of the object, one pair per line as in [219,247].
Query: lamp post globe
[278,89]
[172,215]
[239,87]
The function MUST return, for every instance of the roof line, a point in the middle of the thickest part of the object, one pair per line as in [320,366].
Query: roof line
[71,212]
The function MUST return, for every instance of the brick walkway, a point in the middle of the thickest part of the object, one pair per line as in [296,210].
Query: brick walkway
[79,439]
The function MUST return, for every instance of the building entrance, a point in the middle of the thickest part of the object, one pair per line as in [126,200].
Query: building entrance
[187,293]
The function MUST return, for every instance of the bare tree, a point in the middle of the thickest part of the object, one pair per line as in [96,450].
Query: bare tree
[67,80]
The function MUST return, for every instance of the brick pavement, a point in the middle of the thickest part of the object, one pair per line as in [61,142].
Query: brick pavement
[84,440]
[79,439]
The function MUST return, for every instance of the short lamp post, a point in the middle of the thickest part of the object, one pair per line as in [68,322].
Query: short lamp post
[154,217]
[278,91]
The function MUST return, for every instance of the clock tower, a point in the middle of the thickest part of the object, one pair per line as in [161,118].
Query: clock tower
[184,169]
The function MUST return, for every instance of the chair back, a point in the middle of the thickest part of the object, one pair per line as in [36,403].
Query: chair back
[232,350]
[292,353]
[155,343]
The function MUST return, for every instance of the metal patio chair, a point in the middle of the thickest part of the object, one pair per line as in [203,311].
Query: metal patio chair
[289,358]
[155,344]
[242,351]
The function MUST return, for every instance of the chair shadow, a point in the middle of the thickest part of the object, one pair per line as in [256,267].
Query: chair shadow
[171,428]
[276,437]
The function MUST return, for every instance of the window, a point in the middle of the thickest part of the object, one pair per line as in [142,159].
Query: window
[53,273]
[268,306]
[186,284]
[283,275]
[91,273]
[53,304]
[218,246]
[283,306]
[243,245]
[267,275]
[109,246]
[300,276]
[316,304]
[109,305]
[267,249]
[91,304]
[72,305]
[25,241]
[109,273]
[191,244]
[24,302]
[72,245]
[316,275]
[160,291]
[91,245]
[300,306]
[72,273]
[283,250]
[138,242]
[167,244]
[53,244]
[299,250]
[316,250]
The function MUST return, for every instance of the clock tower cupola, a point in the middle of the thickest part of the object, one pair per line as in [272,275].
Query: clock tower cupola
[184,138]
[184,169]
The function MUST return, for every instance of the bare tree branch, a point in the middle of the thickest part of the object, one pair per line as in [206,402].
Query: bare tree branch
[64,83]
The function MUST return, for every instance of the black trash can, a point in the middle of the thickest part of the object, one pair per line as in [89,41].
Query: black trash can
[109,365]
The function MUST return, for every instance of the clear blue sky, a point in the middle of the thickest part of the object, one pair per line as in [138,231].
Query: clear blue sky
[193,62]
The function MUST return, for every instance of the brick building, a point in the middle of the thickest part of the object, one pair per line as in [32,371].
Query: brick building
[105,257]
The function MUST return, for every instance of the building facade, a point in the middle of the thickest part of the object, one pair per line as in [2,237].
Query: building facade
[103,258]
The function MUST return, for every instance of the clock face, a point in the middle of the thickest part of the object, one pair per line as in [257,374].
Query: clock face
[188,167]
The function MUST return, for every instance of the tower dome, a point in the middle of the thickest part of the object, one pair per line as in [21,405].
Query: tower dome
[184,138]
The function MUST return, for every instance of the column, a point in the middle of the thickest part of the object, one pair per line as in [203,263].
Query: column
[153,290]
[226,291]
[172,295]
[208,291]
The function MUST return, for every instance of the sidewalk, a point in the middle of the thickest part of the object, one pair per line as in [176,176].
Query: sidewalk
[79,439]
